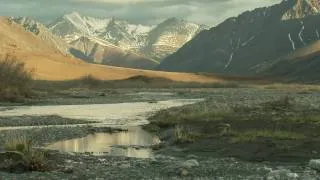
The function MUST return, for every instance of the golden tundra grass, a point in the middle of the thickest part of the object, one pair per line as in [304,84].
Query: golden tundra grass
[16,142]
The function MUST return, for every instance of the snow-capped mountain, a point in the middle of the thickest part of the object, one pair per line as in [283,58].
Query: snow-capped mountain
[125,35]
[43,33]
[153,41]
[72,26]
[301,9]
[88,48]
[95,50]
[169,36]
[252,42]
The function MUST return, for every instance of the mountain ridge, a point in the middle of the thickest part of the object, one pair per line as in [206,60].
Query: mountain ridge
[48,63]
[91,50]
[43,33]
[126,35]
[244,44]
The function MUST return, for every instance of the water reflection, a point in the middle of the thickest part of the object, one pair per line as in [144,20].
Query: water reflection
[110,143]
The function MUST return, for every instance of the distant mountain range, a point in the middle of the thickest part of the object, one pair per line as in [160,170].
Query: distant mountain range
[95,50]
[113,41]
[147,45]
[282,40]
[43,33]
[256,43]
[43,54]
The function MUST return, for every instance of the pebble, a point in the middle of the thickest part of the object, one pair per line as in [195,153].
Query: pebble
[125,166]
[184,172]
[68,169]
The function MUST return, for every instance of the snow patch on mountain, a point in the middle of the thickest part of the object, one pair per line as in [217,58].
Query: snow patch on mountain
[43,33]
[301,9]
[153,41]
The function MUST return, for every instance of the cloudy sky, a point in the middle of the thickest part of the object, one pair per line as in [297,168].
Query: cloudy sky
[208,12]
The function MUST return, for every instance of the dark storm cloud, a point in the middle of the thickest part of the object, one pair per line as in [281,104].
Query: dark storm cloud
[208,12]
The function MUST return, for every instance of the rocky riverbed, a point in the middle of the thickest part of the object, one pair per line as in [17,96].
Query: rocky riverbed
[86,166]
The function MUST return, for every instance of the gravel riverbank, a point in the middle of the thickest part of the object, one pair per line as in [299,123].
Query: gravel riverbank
[82,166]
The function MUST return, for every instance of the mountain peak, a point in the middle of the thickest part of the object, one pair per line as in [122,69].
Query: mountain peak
[28,24]
[72,14]
[301,8]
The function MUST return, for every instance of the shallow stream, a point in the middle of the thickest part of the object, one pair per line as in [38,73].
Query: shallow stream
[133,143]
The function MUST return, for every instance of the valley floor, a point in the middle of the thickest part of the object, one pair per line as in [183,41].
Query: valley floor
[236,133]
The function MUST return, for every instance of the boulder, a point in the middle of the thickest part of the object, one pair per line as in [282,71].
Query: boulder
[315,164]
[190,163]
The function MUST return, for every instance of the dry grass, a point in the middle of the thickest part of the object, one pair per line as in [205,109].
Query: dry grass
[19,145]
[200,112]
[185,134]
[292,87]
[253,135]
[16,142]
[139,82]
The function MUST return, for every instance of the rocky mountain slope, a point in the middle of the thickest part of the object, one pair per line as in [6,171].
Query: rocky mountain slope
[92,50]
[97,51]
[43,33]
[48,63]
[153,41]
[169,36]
[251,42]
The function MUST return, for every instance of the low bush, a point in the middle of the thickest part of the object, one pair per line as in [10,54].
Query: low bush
[90,81]
[15,80]
[22,154]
